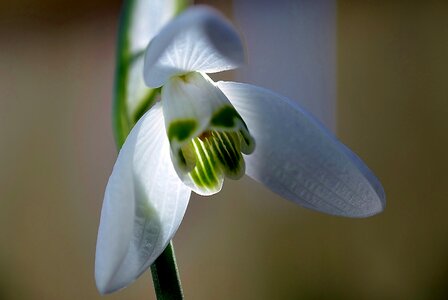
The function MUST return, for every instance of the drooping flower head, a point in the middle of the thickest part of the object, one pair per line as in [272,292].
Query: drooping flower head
[201,132]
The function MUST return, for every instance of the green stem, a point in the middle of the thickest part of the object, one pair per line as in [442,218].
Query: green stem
[166,276]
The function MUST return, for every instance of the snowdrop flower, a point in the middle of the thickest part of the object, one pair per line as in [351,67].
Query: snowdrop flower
[201,132]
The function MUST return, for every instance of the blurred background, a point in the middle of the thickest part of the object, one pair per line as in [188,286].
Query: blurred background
[57,152]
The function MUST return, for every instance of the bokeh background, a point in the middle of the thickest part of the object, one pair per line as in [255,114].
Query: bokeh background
[57,151]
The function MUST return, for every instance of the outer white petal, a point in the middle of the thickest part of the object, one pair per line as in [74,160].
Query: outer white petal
[299,159]
[147,17]
[143,206]
[136,91]
[199,39]
[191,102]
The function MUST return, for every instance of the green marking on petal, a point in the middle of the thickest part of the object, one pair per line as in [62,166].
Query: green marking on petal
[225,117]
[206,174]
[227,150]
[181,130]
[205,165]
[212,155]
[217,152]
[247,141]
[182,157]
[197,179]
[227,154]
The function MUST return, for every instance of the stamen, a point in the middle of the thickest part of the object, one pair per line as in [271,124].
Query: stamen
[205,135]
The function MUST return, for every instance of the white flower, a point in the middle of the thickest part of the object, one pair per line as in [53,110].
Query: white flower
[201,132]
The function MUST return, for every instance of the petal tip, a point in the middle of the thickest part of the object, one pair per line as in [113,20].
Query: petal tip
[370,207]
[102,281]
[105,274]
[108,281]
[102,287]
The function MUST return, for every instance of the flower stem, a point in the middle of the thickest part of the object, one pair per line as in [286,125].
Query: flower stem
[166,276]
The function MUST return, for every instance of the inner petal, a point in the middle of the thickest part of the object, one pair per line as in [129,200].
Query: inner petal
[207,135]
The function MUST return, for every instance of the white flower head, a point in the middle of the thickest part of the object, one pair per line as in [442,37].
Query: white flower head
[201,132]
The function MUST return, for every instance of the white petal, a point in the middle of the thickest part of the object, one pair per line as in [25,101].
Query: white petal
[299,159]
[143,206]
[136,90]
[146,18]
[200,39]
